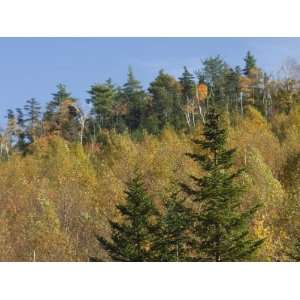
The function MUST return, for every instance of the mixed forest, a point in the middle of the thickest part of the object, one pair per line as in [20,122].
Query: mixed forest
[204,167]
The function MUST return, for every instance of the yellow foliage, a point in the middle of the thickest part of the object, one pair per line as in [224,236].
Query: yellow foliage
[57,197]
[253,132]
[264,189]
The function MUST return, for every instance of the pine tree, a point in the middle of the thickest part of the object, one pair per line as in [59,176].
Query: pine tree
[134,97]
[102,99]
[33,113]
[213,74]
[132,238]
[232,83]
[61,94]
[250,63]
[21,143]
[58,98]
[188,84]
[132,85]
[221,231]
[166,95]
[172,242]
[20,118]
[61,116]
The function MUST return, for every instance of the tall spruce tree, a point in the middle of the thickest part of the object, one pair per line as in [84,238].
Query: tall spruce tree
[33,113]
[221,231]
[187,82]
[132,85]
[135,98]
[173,241]
[21,143]
[132,238]
[250,63]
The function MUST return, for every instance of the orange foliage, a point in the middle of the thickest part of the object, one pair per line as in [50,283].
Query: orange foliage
[202,91]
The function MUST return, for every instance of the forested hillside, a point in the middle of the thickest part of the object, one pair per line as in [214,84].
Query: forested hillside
[204,167]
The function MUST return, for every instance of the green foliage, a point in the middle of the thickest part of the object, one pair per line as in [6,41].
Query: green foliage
[102,99]
[33,112]
[133,95]
[188,84]
[58,98]
[166,101]
[250,63]
[222,230]
[61,115]
[173,239]
[232,87]
[132,239]
[213,73]
[62,175]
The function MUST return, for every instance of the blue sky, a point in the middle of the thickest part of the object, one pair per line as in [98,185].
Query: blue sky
[32,67]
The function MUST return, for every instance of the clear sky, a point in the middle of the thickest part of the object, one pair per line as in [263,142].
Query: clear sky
[32,67]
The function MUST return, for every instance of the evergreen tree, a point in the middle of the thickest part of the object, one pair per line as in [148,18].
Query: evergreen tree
[102,99]
[61,116]
[133,237]
[33,112]
[188,84]
[250,63]
[167,101]
[20,118]
[58,98]
[173,241]
[232,86]
[132,85]
[134,97]
[221,232]
[61,94]
[21,143]
[213,74]
[10,115]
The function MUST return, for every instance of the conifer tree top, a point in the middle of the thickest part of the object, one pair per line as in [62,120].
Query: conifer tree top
[250,63]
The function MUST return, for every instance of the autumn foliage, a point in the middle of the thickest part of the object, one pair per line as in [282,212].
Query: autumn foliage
[63,173]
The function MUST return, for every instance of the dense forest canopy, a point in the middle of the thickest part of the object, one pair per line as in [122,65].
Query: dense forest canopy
[78,185]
